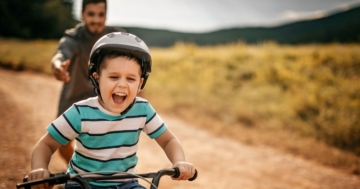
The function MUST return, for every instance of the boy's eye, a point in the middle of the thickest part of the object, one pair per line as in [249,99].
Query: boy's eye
[114,77]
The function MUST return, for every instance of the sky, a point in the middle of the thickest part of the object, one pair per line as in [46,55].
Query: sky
[209,15]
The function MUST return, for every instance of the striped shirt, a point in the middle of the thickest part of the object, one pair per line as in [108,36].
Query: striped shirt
[105,141]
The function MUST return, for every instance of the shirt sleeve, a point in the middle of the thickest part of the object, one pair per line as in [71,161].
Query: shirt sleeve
[66,49]
[67,126]
[154,125]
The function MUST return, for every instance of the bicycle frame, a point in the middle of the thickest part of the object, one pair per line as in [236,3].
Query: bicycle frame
[83,181]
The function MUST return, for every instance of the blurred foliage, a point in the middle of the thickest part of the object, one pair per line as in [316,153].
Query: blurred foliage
[35,19]
[313,90]
[32,55]
[292,97]
[47,19]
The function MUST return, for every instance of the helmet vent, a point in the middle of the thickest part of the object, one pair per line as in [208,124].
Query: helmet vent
[111,35]
[138,39]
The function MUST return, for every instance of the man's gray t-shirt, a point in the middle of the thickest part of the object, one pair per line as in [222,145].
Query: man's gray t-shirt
[76,45]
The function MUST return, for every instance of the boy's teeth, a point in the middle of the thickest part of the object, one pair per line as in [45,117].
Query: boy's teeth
[120,94]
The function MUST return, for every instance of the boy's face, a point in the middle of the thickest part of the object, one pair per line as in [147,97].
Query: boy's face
[119,82]
[94,16]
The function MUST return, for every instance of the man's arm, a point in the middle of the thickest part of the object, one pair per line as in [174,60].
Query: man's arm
[61,60]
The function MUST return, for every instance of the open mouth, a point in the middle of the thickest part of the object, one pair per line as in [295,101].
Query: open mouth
[119,97]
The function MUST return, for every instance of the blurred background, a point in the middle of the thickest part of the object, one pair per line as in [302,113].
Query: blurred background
[277,73]
[163,23]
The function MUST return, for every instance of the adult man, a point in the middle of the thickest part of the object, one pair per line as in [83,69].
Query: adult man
[70,63]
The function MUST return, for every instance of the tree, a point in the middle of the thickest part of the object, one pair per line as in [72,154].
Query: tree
[36,18]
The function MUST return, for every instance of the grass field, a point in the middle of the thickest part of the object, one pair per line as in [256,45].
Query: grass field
[301,99]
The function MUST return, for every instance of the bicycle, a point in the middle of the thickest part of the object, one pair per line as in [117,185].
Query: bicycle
[62,178]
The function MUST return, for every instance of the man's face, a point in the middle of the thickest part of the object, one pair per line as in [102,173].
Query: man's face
[94,16]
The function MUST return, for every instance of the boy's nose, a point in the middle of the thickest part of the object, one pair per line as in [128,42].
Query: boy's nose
[121,83]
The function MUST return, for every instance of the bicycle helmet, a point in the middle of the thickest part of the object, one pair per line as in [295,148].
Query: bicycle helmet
[122,42]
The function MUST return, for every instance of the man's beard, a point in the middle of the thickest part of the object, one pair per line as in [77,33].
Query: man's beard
[95,30]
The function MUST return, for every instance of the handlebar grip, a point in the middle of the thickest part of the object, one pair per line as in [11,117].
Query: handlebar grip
[25,179]
[177,174]
[194,177]
[52,180]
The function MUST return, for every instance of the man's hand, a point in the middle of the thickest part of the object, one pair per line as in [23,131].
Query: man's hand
[59,70]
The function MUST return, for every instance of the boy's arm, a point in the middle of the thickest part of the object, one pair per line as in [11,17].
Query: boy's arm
[174,151]
[41,156]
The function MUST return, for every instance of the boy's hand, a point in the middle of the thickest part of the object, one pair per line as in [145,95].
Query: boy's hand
[187,170]
[39,174]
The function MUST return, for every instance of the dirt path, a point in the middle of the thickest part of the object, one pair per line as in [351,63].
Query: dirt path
[221,163]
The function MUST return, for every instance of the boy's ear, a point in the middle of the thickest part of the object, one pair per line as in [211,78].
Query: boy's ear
[141,82]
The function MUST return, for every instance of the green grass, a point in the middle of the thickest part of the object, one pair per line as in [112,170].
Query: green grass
[295,98]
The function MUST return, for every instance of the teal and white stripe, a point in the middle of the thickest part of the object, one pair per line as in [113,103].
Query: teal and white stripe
[105,141]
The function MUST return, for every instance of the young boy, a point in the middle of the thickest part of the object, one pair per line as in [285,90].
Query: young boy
[70,62]
[106,128]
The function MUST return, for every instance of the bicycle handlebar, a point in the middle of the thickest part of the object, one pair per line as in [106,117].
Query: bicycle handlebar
[54,179]
[83,181]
